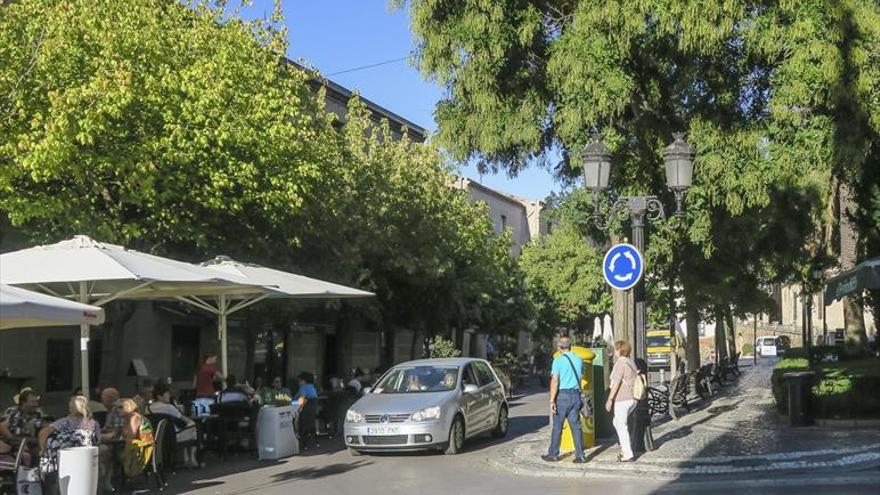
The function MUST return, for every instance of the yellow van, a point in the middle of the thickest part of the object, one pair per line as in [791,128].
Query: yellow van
[659,347]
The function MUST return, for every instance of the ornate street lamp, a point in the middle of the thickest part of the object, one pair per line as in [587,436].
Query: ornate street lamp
[597,165]
[679,161]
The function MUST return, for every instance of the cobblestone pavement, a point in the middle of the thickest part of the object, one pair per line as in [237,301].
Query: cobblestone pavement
[735,433]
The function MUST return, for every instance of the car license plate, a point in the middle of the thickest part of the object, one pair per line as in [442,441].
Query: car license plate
[383,430]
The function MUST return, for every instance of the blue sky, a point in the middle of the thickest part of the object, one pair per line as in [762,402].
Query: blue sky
[338,35]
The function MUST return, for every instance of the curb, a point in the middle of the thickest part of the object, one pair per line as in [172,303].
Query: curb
[520,459]
[848,423]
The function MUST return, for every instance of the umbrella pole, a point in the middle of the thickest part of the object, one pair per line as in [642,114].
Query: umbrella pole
[84,343]
[221,331]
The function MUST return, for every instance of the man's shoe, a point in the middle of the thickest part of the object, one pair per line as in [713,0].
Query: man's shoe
[631,459]
[579,460]
[549,458]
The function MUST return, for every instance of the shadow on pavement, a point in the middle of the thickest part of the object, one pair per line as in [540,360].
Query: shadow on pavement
[313,473]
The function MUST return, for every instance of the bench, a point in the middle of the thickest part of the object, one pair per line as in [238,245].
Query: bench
[664,399]
[703,381]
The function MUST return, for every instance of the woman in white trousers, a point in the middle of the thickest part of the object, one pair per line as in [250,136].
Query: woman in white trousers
[620,397]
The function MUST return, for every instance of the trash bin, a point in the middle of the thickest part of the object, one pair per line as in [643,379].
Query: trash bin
[78,470]
[588,427]
[800,397]
[275,436]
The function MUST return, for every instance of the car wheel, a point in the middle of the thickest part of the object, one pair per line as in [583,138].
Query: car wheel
[355,452]
[456,437]
[503,422]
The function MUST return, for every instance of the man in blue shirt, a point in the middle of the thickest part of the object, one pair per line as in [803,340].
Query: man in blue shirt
[565,400]
[306,406]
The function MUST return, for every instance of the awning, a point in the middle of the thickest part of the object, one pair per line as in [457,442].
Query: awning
[89,271]
[864,276]
[21,308]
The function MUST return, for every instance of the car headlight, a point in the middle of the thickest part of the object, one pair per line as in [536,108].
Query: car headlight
[352,416]
[427,414]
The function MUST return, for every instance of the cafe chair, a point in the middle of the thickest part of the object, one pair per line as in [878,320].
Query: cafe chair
[8,470]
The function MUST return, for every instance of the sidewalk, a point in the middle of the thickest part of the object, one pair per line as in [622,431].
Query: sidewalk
[736,433]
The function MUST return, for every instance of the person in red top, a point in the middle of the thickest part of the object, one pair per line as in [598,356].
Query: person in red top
[205,376]
[203,381]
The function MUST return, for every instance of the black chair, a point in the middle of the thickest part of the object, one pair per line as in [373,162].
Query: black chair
[8,470]
[179,425]
[163,450]
[235,421]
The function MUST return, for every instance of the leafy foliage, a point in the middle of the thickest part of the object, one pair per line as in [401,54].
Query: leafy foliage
[153,125]
[441,347]
[781,101]
[181,129]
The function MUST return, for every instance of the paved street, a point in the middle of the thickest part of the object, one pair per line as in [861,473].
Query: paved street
[333,471]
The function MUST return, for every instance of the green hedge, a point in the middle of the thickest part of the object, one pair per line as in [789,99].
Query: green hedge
[847,384]
[777,382]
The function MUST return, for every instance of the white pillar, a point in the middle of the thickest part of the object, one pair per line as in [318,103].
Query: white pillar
[84,343]
[221,333]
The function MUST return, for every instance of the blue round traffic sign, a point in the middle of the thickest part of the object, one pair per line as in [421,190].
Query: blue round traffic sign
[623,266]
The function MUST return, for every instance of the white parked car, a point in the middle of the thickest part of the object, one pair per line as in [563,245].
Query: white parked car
[428,404]
[771,345]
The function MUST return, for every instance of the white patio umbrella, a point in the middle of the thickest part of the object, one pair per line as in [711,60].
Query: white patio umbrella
[21,308]
[283,285]
[607,330]
[88,271]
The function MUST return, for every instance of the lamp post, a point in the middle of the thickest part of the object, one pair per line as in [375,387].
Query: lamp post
[817,274]
[678,158]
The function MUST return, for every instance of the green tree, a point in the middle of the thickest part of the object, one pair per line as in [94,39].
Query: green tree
[563,273]
[781,100]
[386,216]
[153,124]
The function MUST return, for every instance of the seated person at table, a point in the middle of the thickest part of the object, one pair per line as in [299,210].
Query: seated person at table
[277,394]
[233,391]
[137,431]
[144,396]
[162,404]
[94,405]
[111,431]
[24,421]
[306,405]
[77,429]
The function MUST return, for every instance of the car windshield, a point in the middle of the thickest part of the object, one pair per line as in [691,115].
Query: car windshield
[658,340]
[415,379]
[768,341]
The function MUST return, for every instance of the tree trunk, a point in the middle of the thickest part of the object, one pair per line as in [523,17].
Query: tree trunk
[692,344]
[388,352]
[622,316]
[118,313]
[720,338]
[853,313]
[731,333]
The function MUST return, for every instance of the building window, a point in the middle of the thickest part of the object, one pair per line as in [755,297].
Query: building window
[184,351]
[503,222]
[59,365]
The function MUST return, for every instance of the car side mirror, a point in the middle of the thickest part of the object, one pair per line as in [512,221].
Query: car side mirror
[470,388]
[367,390]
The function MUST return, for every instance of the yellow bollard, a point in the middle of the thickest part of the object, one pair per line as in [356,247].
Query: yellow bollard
[588,426]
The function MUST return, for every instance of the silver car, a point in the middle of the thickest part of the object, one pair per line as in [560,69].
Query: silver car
[428,404]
